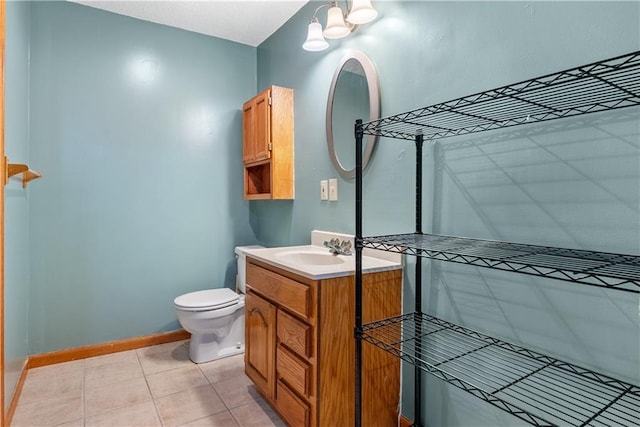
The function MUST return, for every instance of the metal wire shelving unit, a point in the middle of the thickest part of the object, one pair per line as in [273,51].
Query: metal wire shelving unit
[535,388]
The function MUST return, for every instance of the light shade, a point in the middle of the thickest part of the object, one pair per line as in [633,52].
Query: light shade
[315,41]
[361,12]
[336,27]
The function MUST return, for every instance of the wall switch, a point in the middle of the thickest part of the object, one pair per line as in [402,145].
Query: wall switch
[324,190]
[333,189]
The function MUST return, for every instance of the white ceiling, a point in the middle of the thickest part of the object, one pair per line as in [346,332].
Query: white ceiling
[244,21]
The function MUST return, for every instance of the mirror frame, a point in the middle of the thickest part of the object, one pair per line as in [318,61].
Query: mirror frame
[374,112]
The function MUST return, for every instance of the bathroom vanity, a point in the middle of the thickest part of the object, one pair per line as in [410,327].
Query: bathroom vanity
[300,337]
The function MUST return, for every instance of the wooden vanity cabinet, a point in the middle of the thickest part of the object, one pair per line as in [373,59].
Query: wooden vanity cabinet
[313,349]
[267,145]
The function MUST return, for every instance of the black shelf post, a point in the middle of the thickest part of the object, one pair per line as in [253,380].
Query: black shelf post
[358,282]
[417,395]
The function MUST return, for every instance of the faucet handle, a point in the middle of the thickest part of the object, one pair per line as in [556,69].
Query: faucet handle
[338,247]
[328,243]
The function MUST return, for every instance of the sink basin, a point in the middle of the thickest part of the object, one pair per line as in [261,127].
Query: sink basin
[317,263]
[310,258]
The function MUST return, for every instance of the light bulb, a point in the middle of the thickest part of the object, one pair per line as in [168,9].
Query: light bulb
[361,12]
[336,27]
[315,41]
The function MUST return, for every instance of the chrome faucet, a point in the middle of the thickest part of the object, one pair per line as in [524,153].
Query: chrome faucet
[337,247]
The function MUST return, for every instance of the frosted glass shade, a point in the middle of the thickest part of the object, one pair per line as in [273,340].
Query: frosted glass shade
[315,41]
[336,27]
[361,12]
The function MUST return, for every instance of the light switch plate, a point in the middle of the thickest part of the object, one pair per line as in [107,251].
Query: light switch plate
[324,190]
[333,189]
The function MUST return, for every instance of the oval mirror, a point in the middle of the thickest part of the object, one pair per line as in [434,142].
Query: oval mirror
[354,94]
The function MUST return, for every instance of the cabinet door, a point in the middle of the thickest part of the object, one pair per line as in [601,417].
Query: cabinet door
[248,130]
[260,321]
[256,128]
[262,148]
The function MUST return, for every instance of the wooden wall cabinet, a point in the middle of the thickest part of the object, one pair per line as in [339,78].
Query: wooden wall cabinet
[312,353]
[267,145]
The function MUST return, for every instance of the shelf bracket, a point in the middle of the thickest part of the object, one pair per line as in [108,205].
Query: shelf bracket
[20,168]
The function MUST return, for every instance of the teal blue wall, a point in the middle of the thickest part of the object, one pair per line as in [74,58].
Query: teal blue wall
[141,195]
[16,133]
[573,183]
[141,198]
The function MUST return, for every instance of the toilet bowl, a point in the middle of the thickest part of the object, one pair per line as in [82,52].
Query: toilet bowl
[215,317]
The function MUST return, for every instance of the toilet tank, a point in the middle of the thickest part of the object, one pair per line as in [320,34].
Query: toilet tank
[241,261]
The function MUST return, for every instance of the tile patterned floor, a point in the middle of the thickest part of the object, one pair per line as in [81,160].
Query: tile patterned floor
[153,386]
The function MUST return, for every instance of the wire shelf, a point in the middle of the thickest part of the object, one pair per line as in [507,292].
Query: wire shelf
[603,269]
[606,85]
[534,387]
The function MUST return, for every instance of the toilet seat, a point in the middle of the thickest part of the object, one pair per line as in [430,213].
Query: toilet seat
[210,299]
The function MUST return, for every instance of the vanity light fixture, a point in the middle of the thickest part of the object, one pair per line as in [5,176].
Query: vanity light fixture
[339,24]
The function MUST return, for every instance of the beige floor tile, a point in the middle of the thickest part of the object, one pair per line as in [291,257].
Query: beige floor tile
[116,392]
[223,419]
[160,348]
[175,380]
[49,412]
[110,358]
[111,396]
[140,415]
[256,414]
[58,368]
[110,373]
[189,405]
[50,384]
[164,359]
[223,369]
[236,391]
[74,423]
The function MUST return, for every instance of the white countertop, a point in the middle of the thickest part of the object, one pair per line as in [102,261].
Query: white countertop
[292,258]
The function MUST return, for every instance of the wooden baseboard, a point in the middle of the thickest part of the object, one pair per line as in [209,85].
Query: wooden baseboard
[16,394]
[405,422]
[77,353]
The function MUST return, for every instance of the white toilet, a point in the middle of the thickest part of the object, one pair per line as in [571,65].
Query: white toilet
[215,317]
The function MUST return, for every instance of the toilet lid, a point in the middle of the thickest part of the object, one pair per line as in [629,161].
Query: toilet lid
[209,299]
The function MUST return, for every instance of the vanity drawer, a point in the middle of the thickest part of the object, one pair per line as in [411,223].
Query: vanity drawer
[293,410]
[288,293]
[294,334]
[295,372]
